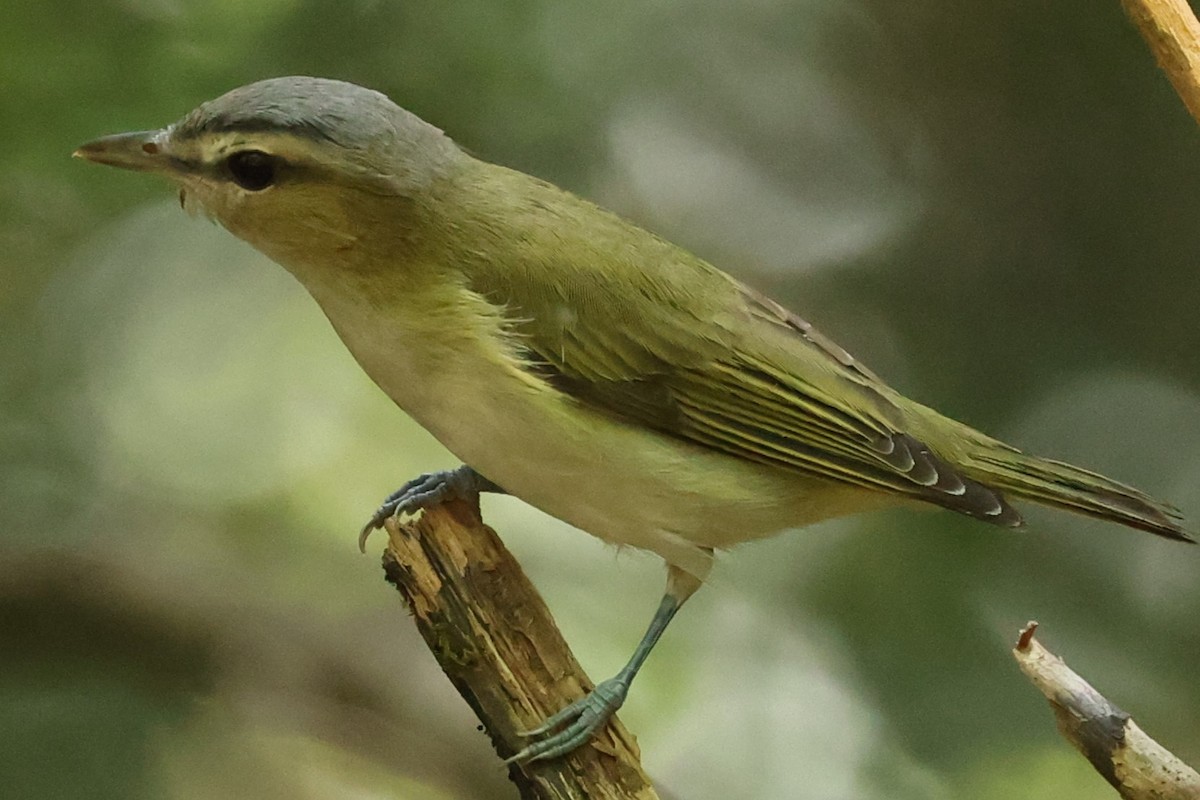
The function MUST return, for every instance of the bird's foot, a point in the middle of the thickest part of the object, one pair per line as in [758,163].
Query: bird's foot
[572,726]
[426,491]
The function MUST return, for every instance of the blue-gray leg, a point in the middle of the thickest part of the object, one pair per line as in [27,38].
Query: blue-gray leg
[572,726]
[426,491]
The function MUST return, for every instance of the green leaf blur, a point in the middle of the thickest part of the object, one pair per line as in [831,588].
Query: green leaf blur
[994,207]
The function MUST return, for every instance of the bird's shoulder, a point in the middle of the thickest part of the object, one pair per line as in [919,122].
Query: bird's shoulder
[617,302]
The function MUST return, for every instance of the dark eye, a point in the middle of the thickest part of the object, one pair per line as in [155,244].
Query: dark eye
[253,170]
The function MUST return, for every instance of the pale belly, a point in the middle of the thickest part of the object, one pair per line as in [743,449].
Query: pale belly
[622,484]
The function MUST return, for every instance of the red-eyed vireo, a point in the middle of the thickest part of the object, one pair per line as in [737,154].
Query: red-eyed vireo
[572,359]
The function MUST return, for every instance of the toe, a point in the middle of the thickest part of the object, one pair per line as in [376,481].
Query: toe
[423,491]
[573,725]
[558,719]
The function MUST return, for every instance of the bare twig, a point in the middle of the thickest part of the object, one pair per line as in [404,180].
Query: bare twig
[1136,765]
[1171,30]
[496,641]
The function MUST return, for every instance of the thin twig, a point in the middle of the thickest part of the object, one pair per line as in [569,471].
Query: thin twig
[1136,765]
[495,639]
[1171,30]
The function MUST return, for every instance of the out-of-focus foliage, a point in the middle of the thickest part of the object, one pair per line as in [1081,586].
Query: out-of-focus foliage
[994,206]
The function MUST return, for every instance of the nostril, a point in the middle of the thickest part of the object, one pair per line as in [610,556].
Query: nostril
[150,148]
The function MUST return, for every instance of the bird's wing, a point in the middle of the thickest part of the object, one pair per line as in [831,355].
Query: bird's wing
[705,359]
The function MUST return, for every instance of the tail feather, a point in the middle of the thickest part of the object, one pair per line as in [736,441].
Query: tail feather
[1062,485]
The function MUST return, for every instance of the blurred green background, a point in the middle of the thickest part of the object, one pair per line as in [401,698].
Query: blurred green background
[996,207]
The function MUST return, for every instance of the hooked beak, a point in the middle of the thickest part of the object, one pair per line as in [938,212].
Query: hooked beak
[142,151]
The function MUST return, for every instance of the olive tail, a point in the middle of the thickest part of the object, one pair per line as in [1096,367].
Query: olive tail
[1061,485]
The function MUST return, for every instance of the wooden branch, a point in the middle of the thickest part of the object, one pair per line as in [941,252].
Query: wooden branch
[1136,765]
[495,639]
[1171,30]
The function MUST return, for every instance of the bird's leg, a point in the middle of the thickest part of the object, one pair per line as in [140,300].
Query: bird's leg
[426,491]
[570,727]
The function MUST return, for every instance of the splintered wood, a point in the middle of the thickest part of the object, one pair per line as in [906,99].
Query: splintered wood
[1138,767]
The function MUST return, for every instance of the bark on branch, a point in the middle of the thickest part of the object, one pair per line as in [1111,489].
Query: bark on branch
[1136,765]
[1171,30]
[493,636]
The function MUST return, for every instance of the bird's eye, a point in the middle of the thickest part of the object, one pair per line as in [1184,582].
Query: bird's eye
[253,170]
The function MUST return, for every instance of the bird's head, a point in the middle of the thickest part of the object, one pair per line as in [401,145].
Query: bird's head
[296,166]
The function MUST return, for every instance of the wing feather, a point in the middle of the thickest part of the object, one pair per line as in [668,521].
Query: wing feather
[666,341]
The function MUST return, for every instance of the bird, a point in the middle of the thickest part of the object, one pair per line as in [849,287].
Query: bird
[571,358]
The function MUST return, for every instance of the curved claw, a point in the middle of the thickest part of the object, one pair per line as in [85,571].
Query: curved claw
[574,724]
[423,491]
[366,532]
